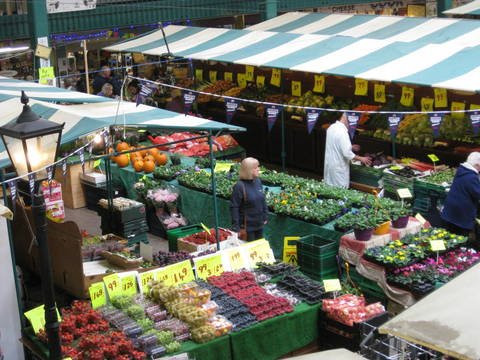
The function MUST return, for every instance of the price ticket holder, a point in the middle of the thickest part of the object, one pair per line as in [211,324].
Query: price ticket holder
[332,285]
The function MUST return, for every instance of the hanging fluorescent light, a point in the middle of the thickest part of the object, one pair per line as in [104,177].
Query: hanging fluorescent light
[13,49]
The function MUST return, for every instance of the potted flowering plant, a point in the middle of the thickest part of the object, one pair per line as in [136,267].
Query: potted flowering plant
[382,220]
[400,216]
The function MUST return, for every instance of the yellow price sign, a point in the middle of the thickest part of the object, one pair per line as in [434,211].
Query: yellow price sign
[242,80]
[437,245]
[458,106]
[296,88]
[145,279]
[199,74]
[97,163]
[474,107]
[433,157]
[408,95]
[129,285]
[223,167]
[276,77]
[265,253]
[163,275]
[426,104]
[441,99]
[36,316]
[379,93]
[113,284]
[332,285]
[180,273]
[249,71]
[260,81]
[212,75]
[235,259]
[228,76]
[208,266]
[97,295]
[319,85]
[259,251]
[45,74]
[361,87]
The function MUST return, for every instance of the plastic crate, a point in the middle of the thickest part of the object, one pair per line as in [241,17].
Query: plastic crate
[365,174]
[369,288]
[319,266]
[174,234]
[323,241]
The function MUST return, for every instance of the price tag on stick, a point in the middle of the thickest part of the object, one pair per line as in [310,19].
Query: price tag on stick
[332,285]
[113,284]
[437,245]
[129,285]
[208,266]
[97,295]
[421,219]
[434,159]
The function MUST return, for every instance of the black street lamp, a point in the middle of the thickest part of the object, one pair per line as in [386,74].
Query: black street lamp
[32,144]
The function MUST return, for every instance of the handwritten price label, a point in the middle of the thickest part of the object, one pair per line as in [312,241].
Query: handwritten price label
[113,284]
[456,106]
[199,74]
[332,285]
[208,266]
[260,81]
[276,77]
[259,251]
[235,259]
[361,87]
[212,75]
[379,93]
[319,85]
[180,273]
[129,285]
[408,95]
[404,193]
[437,245]
[249,70]
[441,100]
[296,88]
[426,104]
[242,80]
[97,295]
[145,279]
[228,76]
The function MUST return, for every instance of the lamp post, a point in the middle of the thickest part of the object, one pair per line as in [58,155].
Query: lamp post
[32,144]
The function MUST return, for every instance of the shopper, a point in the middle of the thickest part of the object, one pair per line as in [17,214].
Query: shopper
[102,77]
[248,205]
[460,207]
[338,153]
[133,89]
[107,90]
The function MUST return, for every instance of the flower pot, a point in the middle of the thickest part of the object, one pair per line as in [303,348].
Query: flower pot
[401,222]
[363,235]
[382,229]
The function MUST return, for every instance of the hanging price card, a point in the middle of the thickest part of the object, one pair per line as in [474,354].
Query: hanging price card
[260,81]
[456,106]
[249,70]
[332,285]
[199,74]
[407,96]
[426,104]
[296,88]
[441,100]
[437,245]
[433,157]
[420,219]
[208,266]
[129,285]
[404,193]
[241,80]
[180,273]
[234,257]
[361,87]
[474,107]
[228,76]
[113,284]
[144,280]
[36,316]
[97,295]
[212,75]
[276,77]
[319,85]
[379,93]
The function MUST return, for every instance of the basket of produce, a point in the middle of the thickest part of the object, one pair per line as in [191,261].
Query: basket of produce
[435,184]
[123,259]
[94,246]
[124,209]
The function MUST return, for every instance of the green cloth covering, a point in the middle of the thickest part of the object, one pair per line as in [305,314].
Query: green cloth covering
[217,349]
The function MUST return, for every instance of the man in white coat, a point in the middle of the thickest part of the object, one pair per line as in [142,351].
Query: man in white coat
[338,153]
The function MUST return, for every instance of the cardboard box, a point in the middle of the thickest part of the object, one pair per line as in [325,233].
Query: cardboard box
[73,193]
[94,178]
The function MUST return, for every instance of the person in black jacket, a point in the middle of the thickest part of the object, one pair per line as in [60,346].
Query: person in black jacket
[460,207]
[248,206]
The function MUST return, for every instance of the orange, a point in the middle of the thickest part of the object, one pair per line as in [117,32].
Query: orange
[143,152]
[138,165]
[152,151]
[149,158]
[122,160]
[122,146]
[161,158]
[148,166]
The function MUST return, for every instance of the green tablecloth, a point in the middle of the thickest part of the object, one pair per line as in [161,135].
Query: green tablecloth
[218,349]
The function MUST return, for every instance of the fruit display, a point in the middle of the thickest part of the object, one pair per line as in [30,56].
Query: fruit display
[417,165]
[403,171]
[379,158]
[204,237]
[440,177]
[219,87]
[302,287]
[308,99]
[93,246]
[350,309]
[164,258]
[120,203]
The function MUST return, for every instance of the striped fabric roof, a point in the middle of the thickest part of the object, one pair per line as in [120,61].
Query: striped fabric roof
[82,119]
[435,52]
[472,8]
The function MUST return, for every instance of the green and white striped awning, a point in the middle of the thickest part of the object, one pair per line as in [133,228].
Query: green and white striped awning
[82,119]
[425,51]
[472,8]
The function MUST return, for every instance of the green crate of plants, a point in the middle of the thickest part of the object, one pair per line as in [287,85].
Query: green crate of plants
[365,174]
[174,234]
[363,283]
[426,189]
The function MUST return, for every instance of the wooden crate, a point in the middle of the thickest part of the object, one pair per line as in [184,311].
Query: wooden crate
[73,194]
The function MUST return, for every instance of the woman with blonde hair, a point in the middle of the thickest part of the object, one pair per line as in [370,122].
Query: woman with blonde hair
[248,205]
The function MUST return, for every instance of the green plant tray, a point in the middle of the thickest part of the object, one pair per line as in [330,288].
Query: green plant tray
[322,242]
[320,266]
[425,189]
[174,234]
